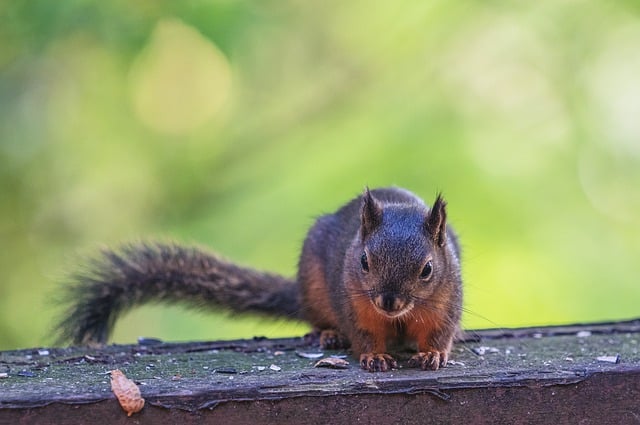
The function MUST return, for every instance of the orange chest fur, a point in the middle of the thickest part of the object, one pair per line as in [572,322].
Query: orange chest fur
[414,326]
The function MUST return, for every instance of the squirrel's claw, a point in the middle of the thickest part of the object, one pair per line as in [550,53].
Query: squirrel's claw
[377,362]
[430,360]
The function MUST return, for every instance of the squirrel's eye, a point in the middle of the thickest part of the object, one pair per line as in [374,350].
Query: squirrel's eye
[427,270]
[364,262]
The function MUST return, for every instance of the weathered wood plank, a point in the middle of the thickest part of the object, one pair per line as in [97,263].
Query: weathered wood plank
[568,374]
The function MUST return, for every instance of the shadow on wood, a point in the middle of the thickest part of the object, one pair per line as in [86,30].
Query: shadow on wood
[567,374]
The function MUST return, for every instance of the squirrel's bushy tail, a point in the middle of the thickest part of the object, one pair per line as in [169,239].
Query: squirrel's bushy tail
[142,273]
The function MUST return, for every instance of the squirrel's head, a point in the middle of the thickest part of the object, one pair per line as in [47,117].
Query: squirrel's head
[401,255]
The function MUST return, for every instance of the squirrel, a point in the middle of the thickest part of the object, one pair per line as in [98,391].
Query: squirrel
[382,270]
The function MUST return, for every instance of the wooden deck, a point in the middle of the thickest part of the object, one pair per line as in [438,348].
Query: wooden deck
[587,374]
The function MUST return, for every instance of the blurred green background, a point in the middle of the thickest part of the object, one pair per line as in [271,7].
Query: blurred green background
[232,124]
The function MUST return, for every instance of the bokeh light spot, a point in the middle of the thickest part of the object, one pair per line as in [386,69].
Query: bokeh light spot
[180,81]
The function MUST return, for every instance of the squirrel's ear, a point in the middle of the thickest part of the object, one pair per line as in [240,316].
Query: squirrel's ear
[436,222]
[371,216]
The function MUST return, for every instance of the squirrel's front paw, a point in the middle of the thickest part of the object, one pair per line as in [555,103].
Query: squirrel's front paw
[429,360]
[377,362]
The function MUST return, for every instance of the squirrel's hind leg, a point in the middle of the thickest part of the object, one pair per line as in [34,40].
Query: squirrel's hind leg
[330,339]
[327,339]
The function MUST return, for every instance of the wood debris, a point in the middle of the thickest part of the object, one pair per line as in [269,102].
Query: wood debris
[332,362]
[127,392]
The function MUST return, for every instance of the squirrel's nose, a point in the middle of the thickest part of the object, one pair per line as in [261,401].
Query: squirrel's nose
[389,302]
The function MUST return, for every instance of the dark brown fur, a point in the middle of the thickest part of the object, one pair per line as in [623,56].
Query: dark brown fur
[399,233]
[142,273]
[361,282]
